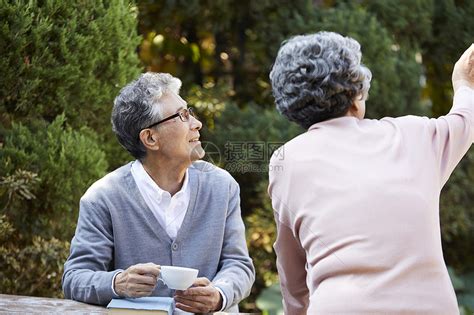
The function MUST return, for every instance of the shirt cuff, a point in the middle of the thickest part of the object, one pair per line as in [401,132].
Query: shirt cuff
[224,300]
[113,281]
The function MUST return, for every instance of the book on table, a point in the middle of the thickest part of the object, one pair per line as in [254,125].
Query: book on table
[152,305]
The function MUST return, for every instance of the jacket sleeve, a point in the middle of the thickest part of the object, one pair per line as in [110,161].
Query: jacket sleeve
[236,271]
[291,256]
[447,137]
[291,265]
[87,273]
[453,134]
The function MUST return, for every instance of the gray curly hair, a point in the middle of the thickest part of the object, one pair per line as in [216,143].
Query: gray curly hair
[317,77]
[137,106]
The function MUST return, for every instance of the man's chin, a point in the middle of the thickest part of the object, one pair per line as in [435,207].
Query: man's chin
[197,154]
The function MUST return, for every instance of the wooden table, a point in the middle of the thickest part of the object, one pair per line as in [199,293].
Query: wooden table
[39,305]
[29,304]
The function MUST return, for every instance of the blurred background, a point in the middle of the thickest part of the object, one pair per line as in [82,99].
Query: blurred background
[62,63]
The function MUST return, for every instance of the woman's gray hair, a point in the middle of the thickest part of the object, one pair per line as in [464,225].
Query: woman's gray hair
[137,106]
[317,77]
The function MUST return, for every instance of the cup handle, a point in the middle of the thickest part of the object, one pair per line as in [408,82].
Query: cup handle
[160,279]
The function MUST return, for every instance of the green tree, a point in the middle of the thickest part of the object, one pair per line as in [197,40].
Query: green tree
[220,42]
[66,161]
[48,167]
[66,57]
[395,87]
[62,65]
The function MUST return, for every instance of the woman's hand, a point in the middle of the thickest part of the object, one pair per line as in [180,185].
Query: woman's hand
[463,72]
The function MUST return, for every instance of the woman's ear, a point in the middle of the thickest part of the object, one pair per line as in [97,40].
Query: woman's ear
[357,108]
[149,138]
[353,109]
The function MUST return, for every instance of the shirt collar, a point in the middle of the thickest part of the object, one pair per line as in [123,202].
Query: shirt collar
[144,180]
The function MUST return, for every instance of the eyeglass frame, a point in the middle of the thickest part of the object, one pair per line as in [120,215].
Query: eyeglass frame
[188,110]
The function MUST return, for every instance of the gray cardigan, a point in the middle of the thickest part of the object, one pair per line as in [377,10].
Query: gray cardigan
[116,229]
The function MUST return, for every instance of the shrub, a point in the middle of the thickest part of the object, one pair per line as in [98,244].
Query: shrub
[67,161]
[66,57]
[47,168]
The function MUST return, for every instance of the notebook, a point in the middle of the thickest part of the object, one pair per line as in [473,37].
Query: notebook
[151,305]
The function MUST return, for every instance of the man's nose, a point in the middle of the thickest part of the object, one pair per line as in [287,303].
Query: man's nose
[196,124]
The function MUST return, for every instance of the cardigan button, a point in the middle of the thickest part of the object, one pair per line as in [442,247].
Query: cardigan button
[174,246]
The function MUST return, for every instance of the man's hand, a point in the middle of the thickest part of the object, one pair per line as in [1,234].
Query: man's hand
[202,297]
[463,72]
[138,280]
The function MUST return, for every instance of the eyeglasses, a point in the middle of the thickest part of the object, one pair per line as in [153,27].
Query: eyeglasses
[183,114]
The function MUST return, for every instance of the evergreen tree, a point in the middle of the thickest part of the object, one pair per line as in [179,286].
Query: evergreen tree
[395,87]
[66,57]
[216,42]
[62,65]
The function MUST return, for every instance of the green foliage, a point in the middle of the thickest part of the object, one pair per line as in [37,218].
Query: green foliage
[34,269]
[47,167]
[225,41]
[452,34]
[66,57]
[457,215]
[464,287]
[261,235]
[61,61]
[244,139]
[49,66]
[67,161]
[395,88]
[409,21]
[270,300]
[17,186]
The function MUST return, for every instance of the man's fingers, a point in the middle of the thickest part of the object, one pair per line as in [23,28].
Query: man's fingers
[141,287]
[192,300]
[191,305]
[197,291]
[189,309]
[149,268]
[201,282]
[143,279]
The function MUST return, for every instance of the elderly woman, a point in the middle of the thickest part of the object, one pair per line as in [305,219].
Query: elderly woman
[357,200]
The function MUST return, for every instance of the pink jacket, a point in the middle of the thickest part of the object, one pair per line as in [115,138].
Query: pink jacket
[357,210]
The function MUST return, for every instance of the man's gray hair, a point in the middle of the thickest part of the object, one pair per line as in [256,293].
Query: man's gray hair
[138,106]
[317,77]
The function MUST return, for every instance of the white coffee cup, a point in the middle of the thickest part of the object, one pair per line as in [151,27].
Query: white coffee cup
[178,278]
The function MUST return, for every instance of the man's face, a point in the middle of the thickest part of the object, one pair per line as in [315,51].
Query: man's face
[178,140]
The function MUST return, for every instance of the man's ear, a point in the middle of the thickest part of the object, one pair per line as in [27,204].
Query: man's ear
[149,139]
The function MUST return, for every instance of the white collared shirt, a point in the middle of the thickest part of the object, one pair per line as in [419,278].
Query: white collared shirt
[168,210]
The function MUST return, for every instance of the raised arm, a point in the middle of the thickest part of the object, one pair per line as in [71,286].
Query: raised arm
[453,133]
[463,72]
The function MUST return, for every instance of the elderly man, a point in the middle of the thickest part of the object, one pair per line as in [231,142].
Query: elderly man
[164,208]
